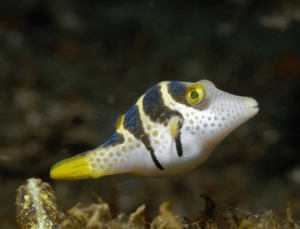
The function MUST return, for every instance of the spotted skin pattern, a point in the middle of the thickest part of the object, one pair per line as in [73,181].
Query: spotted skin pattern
[164,133]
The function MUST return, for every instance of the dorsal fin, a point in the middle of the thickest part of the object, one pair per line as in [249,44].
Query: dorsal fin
[104,121]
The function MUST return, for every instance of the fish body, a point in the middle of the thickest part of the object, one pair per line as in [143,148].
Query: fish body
[172,128]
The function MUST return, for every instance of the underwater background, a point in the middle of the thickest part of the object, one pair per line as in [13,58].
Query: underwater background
[60,58]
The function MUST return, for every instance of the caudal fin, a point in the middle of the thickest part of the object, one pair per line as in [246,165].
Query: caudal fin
[74,168]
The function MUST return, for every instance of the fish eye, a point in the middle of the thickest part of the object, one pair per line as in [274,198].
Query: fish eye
[195,94]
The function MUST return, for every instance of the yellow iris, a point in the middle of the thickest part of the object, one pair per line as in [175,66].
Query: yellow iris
[195,94]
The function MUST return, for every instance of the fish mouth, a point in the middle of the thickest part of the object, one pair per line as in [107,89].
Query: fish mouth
[256,109]
[256,105]
[251,105]
[249,102]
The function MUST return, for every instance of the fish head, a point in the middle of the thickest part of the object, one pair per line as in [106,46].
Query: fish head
[210,114]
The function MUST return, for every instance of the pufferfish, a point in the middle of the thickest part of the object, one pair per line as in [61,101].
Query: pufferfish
[172,128]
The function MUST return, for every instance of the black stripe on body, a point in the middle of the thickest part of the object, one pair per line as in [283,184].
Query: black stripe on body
[133,123]
[155,108]
[178,90]
[114,140]
[179,145]
[157,111]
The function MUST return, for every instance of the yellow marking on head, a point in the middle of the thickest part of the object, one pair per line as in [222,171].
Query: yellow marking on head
[187,127]
[143,116]
[138,145]
[156,142]
[74,168]
[118,154]
[137,174]
[191,121]
[101,154]
[174,126]
[155,133]
[192,113]
[130,147]
[187,114]
[98,160]
[130,140]
[124,149]
[168,99]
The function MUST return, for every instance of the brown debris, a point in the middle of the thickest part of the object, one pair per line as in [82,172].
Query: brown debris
[166,219]
[138,217]
[37,208]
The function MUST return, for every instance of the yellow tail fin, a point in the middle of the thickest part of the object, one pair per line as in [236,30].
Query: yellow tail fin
[74,168]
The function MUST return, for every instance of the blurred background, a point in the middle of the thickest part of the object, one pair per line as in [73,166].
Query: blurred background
[60,58]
